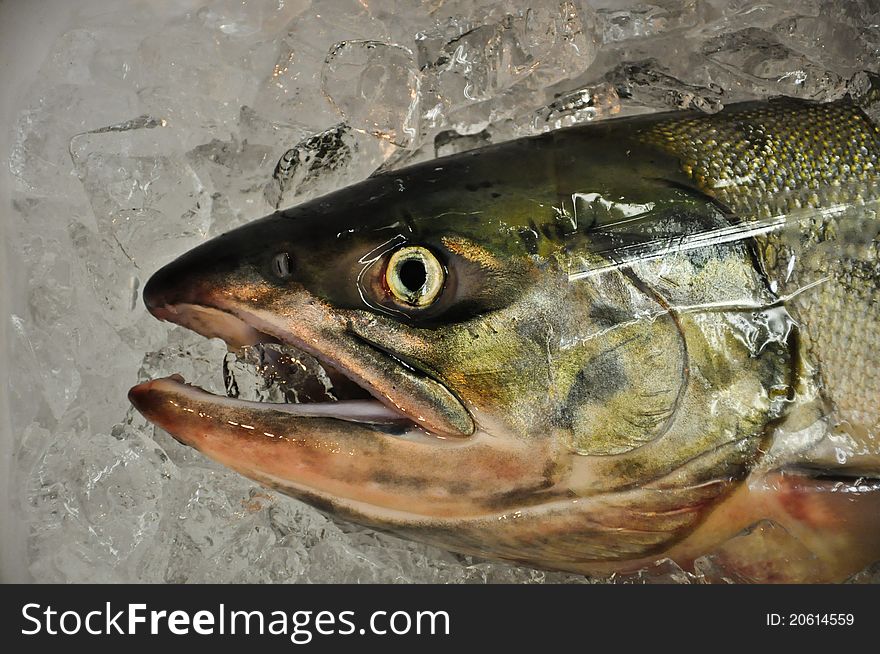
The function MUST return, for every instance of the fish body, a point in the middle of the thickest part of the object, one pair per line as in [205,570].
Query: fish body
[590,350]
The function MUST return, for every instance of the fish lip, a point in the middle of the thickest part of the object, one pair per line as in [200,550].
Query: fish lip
[366,412]
[248,329]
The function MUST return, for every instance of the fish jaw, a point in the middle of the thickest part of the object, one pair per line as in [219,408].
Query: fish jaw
[363,461]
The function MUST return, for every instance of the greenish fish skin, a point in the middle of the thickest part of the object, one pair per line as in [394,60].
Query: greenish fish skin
[644,322]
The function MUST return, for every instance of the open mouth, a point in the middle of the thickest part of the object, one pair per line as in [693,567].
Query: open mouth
[272,369]
[297,383]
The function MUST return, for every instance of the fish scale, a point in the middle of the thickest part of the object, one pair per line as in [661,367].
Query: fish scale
[776,157]
[820,166]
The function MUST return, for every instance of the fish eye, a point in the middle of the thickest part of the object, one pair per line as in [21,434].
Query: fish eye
[414,276]
[281,265]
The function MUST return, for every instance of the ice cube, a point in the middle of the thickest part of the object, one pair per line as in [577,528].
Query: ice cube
[376,88]
[237,171]
[451,142]
[647,84]
[645,20]
[245,18]
[39,159]
[757,60]
[740,14]
[55,363]
[870,575]
[234,170]
[93,499]
[49,329]
[581,105]
[489,71]
[70,56]
[836,45]
[290,91]
[324,162]
[664,571]
[276,373]
[182,58]
[145,196]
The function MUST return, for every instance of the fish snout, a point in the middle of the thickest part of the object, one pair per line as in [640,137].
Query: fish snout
[233,266]
[200,289]
[160,290]
[188,279]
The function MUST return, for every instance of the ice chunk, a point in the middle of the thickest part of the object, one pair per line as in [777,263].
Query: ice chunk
[864,89]
[234,170]
[291,89]
[757,59]
[647,84]
[582,105]
[741,14]
[323,162]
[478,72]
[93,498]
[276,373]
[664,571]
[255,128]
[147,204]
[376,88]
[39,160]
[451,142]
[188,547]
[185,59]
[146,199]
[54,348]
[644,20]
[870,575]
[55,363]
[111,274]
[71,55]
[187,78]
[244,18]
[835,45]
[478,63]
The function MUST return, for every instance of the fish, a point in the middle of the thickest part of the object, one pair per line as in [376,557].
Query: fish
[596,350]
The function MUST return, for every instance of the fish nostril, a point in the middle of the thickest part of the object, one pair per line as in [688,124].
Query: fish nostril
[282,265]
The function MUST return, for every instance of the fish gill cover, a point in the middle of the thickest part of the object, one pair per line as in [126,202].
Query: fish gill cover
[150,129]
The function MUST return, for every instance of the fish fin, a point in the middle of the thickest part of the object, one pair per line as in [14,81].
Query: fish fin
[793,526]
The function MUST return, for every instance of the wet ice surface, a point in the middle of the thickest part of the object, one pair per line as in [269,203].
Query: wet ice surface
[145,134]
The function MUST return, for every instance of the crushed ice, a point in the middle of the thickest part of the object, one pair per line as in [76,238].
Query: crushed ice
[145,134]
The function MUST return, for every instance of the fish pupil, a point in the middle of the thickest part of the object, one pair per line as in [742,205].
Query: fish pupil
[412,274]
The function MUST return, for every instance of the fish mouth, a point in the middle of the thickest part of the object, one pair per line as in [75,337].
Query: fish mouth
[369,386]
[395,447]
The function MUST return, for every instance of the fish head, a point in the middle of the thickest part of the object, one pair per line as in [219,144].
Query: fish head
[500,400]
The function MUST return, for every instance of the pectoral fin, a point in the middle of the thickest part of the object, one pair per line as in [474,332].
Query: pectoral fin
[792,526]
